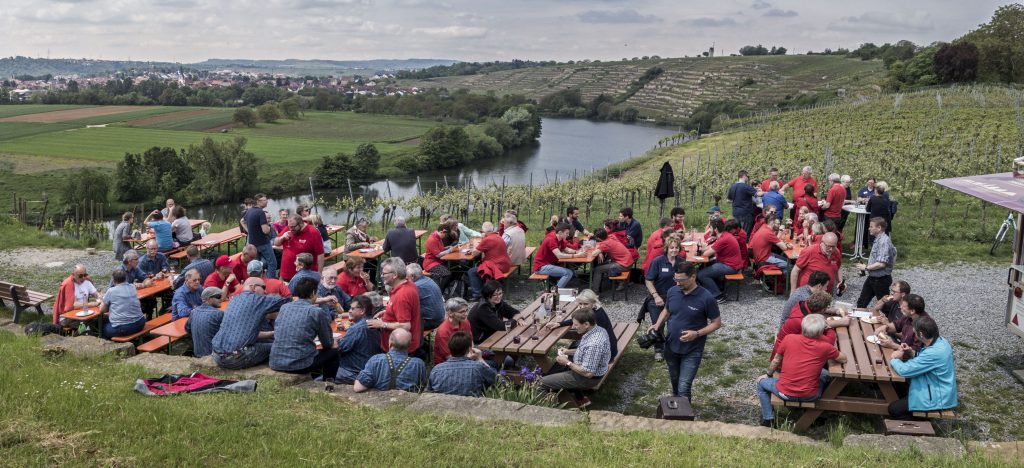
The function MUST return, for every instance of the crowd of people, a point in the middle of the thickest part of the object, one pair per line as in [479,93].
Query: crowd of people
[281,297]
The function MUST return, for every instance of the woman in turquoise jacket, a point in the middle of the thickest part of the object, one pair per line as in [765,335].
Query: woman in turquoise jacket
[931,372]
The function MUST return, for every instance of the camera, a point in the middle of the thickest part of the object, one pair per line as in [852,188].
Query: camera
[650,338]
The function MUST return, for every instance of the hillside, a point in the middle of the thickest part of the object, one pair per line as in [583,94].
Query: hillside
[14,66]
[685,82]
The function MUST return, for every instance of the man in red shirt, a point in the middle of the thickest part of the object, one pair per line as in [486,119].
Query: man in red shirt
[726,251]
[801,361]
[495,262]
[773,175]
[274,287]
[823,256]
[798,184]
[456,320]
[613,258]
[403,310]
[222,277]
[549,253]
[832,206]
[761,245]
[300,237]
[241,262]
[678,218]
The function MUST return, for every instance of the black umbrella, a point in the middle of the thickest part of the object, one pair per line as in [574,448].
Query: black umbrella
[666,186]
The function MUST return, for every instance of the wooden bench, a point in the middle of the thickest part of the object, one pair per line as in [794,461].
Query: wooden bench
[334,253]
[773,273]
[542,278]
[22,298]
[776,401]
[156,344]
[944,414]
[158,321]
[623,278]
[624,332]
[735,279]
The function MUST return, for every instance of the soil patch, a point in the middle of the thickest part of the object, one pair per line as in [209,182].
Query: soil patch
[72,114]
[168,117]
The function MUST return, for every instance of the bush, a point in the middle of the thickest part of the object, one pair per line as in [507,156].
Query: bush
[83,187]
[245,116]
[269,112]
[223,170]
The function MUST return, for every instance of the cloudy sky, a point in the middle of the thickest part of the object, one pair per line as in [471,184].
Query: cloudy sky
[194,30]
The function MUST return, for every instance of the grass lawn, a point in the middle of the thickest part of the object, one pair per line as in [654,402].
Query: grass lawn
[66,410]
[196,123]
[25,109]
[12,130]
[347,126]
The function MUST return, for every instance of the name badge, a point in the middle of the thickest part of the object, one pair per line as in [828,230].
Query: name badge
[664,270]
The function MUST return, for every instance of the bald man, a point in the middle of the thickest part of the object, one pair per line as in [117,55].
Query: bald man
[823,256]
[153,262]
[411,372]
[76,291]
[241,262]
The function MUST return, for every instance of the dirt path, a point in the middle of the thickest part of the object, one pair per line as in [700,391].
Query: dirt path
[168,117]
[72,114]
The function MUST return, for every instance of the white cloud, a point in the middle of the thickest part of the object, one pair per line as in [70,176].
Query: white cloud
[616,17]
[453,32]
[877,21]
[777,13]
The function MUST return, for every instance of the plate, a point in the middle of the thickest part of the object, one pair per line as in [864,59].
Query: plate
[698,258]
[366,250]
[83,313]
[872,339]
[689,243]
[336,335]
[871,319]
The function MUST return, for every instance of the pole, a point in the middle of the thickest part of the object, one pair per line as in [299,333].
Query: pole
[312,194]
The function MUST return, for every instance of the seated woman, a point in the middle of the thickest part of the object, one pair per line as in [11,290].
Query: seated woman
[588,300]
[493,265]
[612,226]
[181,227]
[489,315]
[912,307]
[931,372]
[353,279]
[440,243]
[122,303]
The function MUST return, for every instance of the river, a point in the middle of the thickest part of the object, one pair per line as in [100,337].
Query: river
[565,145]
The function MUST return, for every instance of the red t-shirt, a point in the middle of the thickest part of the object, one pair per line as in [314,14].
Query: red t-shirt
[741,239]
[761,243]
[546,252]
[307,240]
[798,186]
[802,361]
[836,196]
[352,286]
[655,247]
[404,306]
[794,326]
[811,202]
[811,259]
[239,269]
[216,281]
[275,287]
[433,246]
[443,334]
[727,250]
[496,261]
[767,182]
[617,252]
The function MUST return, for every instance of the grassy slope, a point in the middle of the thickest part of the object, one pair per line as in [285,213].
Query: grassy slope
[25,109]
[88,419]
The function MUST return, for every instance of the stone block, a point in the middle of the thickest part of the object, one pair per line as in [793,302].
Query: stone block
[374,398]
[257,373]
[85,346]
[491,409]
[609,421]
[894,443]
[160,364]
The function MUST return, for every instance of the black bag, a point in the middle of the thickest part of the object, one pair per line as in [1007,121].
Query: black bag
[41,329]
[675,408]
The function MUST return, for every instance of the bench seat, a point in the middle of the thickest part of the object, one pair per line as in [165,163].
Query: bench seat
[735,279]
[157,321]
[944,414]
[624,333]
[156,344]
[335,252]
[22,298]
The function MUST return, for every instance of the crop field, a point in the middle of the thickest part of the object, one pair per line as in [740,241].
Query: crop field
[26,109]
[188,121]
[72,114]
[346,125]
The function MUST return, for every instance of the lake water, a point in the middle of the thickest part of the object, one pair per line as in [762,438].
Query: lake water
[565,145]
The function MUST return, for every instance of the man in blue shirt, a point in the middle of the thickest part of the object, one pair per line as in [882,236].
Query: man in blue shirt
[742,194]
[135,276]
[431,299]
[932,372]
[360,342]
[692,313]
[465,372]
[774,198]
[303,269]
[122,303]
[634,232]
[238,344]
[204,322]
[298,324]
[187,297]
[394,370]
[161,230]
[261,233]
[328,288]
[153,263]
[580,368]
[202,265]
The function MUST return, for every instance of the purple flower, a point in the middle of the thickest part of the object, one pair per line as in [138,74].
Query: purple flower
[504,374]
[523,372]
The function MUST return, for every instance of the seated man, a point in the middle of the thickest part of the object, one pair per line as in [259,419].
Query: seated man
[275,287]
[457,320]
[889,305]
[401,242]
[297,325]
[762,241]
[75,292]
[122,303]
[187,297]
[431,299]
[931,372]
[817,304]
[328,288]
[304,268]
[222,278]
[912,309]
[161,230]
[588,362]
[195,262]
[393,370]
[239,266]
[153,263]
[615,254]
[204,322]
[728,260]
[818,281]
[360,342]
[546,259]
[465,372]
[800,361]
[515,240]
[494,262]
[238,344]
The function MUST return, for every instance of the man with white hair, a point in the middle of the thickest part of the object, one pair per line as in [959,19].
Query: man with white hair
[846,180]
[798,183]
[403,309]
[494,264]
[401,242]
[515,239]
[800,361]
[832,205]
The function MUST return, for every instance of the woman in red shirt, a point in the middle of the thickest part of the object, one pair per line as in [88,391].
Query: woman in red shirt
[494,264]
[612,227]
[656,242]
[437,246]
[807,199]
[353,279]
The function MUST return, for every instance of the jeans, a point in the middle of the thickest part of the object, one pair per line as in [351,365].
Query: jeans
[779,261]
[609,269]
[563,274]
[269,259]
[249,356]
[874,287]
[476,283]
[567,380]
[110,331]
[766,387]
[712,274]
[325,363]
[682,368]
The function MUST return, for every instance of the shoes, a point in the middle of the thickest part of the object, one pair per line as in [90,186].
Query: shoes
[329,385]
[583,402]
[621,286]
[658,357]
[720,298]
[768,422]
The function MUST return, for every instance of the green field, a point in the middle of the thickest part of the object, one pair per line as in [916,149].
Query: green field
[25,109]
[347,125]
[12,130]
[196,123]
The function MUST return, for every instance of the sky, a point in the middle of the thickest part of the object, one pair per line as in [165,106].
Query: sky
[470,30]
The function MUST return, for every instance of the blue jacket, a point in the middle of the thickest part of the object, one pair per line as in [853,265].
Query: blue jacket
[932,377]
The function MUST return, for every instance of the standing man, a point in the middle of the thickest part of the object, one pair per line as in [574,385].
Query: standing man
[123,235]
[260,234]
[300,237]
[634,231]
[204,323]
[772,197]
[798,183]
[832,205]
[823,256]
[239,343]
[401,242]
[773,176]
[742,194]
[692,314]
[879,265]
[403,310]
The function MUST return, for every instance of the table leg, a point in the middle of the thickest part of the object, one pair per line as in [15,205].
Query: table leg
[888,392]
[809,416]
[544,362]
[858,249]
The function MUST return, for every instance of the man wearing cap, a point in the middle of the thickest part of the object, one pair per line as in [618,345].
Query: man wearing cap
[222,278]
[713,213]
[240,343]
[299,238]
[187,297]
[275,287]
[204,322]
[304,268]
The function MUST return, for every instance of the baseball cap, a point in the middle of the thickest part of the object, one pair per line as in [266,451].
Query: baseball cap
[223,260]
[714,209]
[211,292]
[254,267]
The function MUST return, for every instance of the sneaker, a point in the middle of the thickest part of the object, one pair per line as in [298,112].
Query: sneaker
[658,356]
[721,299]
[329,385]
[620,286]
[768,422]
[583,402]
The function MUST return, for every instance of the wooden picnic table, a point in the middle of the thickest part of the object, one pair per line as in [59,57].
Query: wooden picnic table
[229,237]
[146,235]
[866,363]
[531,338]
[458,255]
[692,254]
[157,287]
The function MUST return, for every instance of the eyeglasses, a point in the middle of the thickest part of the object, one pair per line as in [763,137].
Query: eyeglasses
[680,280]
[82,276]
[260,286]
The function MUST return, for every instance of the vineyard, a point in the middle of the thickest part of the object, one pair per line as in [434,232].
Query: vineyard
[907,140]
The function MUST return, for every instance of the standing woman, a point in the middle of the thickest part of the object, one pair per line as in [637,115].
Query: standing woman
[692,313]
[660,277]
[123,235]
[878,206]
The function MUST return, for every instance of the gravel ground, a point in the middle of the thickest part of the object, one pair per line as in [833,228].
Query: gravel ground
[967,301]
